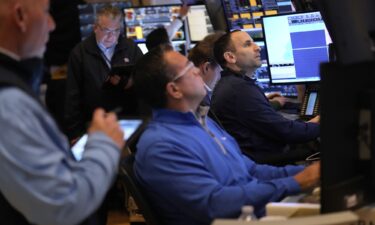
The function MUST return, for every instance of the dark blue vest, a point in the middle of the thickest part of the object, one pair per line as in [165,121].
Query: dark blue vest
[22,75]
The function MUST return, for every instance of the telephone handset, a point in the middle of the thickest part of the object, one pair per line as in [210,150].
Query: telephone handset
[310,106]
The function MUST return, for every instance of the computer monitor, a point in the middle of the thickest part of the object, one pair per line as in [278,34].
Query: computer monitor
[263,77]
[216,13]
[296,45]
[140,21]
[347,136]
[246,15]
[199,23]
[87,14]
[352,28]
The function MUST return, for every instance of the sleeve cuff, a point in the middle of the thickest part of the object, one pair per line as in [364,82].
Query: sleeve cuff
[293,170]
[291,185]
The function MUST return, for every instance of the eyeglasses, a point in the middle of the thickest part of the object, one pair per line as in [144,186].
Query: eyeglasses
[107,31]
[189,66]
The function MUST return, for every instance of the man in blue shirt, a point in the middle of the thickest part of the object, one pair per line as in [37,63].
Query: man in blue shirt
[40,182]
[202,55]
[246,113]
[192,170]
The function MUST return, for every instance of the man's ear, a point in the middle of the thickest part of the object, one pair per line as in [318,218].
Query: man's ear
[230,57]
[20,17]
[173,90]
[204,67]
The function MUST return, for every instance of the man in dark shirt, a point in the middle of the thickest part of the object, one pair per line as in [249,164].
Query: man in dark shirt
[245,111]
[88,68]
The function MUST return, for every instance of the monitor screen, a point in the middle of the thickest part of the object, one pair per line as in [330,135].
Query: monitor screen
[199,23]
[263,77]
[141,21]
[246,15]
[87,15]
[296,45]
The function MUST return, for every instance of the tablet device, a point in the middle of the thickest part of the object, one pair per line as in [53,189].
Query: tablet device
[129,127]
[121,70]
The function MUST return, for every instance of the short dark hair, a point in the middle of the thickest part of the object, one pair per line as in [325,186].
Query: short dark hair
[157,37]
[152,74]
[222,45]
[204,50]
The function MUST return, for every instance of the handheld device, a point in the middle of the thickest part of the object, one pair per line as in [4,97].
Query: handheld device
[129,126]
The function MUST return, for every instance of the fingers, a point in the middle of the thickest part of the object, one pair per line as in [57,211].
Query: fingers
[107,123]
[309,177]
[273,95]
[316,119]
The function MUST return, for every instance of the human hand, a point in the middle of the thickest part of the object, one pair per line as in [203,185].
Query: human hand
[273,95]
[316,119]
[114,80]
[281,100]
[309,177]
[184,10]
[107,123]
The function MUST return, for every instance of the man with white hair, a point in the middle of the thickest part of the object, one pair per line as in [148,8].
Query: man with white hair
[40,182]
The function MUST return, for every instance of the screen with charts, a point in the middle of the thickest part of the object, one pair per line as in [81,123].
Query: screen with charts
[140,21]
[246,15]
[296,45]
[87,15]
[263,78]
[199,23]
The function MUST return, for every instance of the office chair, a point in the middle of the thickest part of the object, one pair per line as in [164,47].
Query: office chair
[127,175]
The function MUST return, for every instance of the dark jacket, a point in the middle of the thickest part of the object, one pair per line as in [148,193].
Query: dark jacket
[87,71]
[246,114]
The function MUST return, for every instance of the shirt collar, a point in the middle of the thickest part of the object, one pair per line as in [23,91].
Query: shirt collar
[104,49]
[207,87]
[10,54]
[229,72]
[173,116]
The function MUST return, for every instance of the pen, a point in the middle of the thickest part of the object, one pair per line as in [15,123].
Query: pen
[116,110]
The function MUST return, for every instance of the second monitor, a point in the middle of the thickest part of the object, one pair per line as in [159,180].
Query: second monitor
[296,45]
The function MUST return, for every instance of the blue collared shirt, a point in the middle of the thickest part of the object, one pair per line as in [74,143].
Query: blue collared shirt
[190,179]
[107,53]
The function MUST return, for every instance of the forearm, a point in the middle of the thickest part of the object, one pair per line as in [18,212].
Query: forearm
[61,190]
[266,172]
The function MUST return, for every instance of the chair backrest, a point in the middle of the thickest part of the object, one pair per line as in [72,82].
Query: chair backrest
[127,174]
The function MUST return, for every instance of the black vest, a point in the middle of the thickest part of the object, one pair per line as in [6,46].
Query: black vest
[20,75]
[9,76]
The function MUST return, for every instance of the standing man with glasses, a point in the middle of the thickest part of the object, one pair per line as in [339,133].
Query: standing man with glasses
[88,83]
